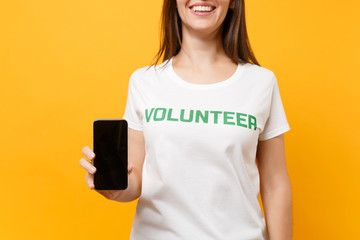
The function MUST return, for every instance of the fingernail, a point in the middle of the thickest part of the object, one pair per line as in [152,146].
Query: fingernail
[92,169]
[92,155]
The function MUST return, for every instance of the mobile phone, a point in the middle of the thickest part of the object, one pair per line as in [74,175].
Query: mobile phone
[110,145]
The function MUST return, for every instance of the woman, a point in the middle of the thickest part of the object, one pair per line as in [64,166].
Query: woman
[197,123]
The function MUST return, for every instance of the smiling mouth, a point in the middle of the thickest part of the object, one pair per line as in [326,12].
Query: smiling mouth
[202,8]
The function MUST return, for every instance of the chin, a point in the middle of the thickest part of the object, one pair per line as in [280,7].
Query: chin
[202,28]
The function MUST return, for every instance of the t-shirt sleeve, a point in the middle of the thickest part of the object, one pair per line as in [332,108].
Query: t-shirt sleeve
[276,122]
[132,110]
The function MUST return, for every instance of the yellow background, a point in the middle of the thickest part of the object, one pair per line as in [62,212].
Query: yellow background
[65,63]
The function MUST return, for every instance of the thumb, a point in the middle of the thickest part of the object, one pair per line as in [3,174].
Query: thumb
[130,168]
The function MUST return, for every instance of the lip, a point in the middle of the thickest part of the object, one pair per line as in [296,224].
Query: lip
[202,13]
[201,4]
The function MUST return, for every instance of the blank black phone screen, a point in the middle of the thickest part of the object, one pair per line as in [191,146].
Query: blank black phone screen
[110,142]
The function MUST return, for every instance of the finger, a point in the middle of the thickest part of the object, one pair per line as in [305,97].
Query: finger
[88,152]
[87,165]
[89,178]
[130,168]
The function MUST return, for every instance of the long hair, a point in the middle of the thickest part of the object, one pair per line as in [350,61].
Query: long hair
[234,34]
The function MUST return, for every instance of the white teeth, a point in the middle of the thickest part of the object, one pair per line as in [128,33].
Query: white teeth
[202,8]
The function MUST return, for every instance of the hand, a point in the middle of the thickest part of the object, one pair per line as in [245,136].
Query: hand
[89,167]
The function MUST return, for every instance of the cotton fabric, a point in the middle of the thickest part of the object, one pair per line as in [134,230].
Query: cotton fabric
[200,179]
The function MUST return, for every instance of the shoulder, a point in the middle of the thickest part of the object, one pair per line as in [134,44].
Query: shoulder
[146,74]
[150,70]
[259,75]
[258,71]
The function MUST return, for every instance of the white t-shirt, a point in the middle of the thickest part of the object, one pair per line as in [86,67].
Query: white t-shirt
[200,179]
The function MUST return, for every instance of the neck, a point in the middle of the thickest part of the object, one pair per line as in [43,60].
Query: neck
[200,50]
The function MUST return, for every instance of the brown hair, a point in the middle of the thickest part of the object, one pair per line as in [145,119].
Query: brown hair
[234,34]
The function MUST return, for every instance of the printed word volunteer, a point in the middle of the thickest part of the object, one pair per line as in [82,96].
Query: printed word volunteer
[204,116]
